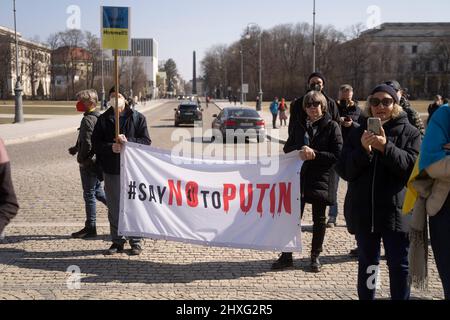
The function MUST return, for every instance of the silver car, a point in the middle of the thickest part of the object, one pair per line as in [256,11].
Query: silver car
[234,122]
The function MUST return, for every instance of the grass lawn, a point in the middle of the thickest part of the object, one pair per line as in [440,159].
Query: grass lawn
[40,103]
[51,110]
[10,121]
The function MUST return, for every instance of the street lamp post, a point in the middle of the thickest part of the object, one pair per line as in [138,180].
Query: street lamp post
[260,93]
[314,36]
[18,89]
[242,74]
[102,107]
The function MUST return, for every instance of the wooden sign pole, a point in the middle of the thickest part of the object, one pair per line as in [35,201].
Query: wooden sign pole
[116,73]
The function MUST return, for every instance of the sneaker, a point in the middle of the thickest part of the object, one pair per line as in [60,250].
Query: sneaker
[85,233]
[331,222]
[354,253]
[315,265]
[284,261]
[114,249]
[136,250]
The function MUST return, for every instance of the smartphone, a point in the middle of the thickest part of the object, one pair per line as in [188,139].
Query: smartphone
[374,126]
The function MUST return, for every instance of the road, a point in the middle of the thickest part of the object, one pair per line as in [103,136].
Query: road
[38,257]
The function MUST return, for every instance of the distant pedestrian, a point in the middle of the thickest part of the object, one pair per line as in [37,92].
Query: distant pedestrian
[377,167]
[282,109]
[235,99]
[438,102]
[274,111]
[133,128]
[413,116]
[90,173]
[8,200]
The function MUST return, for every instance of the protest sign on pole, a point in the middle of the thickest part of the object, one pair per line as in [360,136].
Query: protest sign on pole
[116,35]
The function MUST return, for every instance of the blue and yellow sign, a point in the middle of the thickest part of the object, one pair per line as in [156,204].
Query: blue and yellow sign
[115,28]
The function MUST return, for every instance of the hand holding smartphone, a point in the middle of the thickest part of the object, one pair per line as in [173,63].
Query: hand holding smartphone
[374,126]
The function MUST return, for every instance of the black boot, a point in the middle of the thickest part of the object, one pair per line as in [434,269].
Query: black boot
[315,264]
[85,233]
[284,261]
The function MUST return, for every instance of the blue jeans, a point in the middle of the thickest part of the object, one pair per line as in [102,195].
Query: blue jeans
[440,242]
[396,245]
[333,212]
[112,188]
[92,191]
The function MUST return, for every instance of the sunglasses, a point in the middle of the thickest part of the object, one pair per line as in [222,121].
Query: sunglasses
[386,102]
[312,104]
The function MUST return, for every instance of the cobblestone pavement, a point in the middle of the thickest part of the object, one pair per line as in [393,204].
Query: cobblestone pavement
[38,256]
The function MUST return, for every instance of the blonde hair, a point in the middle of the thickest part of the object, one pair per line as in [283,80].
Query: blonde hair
[316,96]
[88,96]
[395,111]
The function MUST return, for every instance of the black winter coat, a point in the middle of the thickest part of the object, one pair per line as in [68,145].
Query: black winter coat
[354,112]
[297,113]
[377,182]
[134,128]
[84,142]
[318,180]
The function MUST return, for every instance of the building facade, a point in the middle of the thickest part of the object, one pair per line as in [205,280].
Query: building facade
[146,51]
[34,66]
[415,54]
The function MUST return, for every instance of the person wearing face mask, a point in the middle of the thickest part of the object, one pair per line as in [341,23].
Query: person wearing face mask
[318,140]
[316,82]
[377,167]
[90,177]
[133,128]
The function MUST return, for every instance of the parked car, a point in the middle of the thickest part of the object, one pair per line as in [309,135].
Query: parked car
[188,112]
[238,122]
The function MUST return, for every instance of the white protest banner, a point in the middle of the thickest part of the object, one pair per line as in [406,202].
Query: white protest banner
[210,202]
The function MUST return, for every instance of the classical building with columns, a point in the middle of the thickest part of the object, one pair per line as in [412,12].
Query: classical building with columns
[415,54]
[34,66]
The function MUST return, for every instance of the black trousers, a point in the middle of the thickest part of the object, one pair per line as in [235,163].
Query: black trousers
[319,227]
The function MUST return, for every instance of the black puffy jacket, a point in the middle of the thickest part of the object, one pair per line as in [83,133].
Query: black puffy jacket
[317,178]
[377,182]
[134,128]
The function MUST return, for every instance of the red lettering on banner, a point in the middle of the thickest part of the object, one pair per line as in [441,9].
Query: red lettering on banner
[229,193]
[263,188]
[175,191]
[285,198]
[192,194]
[272,200]
[246,207]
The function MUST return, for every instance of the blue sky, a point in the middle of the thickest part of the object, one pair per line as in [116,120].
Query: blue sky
[181,26]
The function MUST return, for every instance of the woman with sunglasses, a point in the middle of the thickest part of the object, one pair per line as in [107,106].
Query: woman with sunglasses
[318,140]
[377,168]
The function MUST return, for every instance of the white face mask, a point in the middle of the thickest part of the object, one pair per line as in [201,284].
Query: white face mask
[112,102]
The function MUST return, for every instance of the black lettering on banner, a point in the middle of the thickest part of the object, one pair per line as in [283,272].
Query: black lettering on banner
[216,202]
[152,195]
[142,194]
[205,194]
[132,190]
[161,193]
